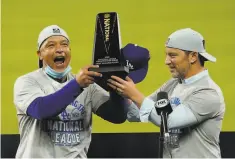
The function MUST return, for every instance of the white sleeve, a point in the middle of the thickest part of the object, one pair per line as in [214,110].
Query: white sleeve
[148,112]
[145,110]
[133,113]
[25,91]
[181,116]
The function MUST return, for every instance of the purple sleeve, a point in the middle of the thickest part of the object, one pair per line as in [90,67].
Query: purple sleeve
[114,110]
[53,104]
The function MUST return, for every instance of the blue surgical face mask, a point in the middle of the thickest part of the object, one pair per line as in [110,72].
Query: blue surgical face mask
[57,75]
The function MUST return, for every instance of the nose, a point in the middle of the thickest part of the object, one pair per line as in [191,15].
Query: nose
[59,49]
[167,60]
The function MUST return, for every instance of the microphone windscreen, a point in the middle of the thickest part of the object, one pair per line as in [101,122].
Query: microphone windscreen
[162,95]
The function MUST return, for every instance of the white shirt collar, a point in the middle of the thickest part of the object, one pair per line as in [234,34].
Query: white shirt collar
[196,77]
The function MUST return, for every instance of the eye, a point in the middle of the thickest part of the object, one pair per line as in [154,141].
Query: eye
[64,44]
[172,55]
[50,45]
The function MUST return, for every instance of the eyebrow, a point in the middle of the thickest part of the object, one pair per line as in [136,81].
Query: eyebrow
[171,53]
[59,42]
[50,41]
[64,41]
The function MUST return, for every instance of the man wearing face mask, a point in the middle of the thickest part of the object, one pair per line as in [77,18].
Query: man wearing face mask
[197,101]
[54,107]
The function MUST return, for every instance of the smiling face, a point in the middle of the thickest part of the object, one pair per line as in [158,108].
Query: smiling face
[181,64]
[55,52]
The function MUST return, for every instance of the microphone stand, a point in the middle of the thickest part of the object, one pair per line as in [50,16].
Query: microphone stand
[164,134]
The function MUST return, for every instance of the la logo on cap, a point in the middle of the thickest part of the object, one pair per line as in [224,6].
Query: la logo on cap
[56,30]
[128,64]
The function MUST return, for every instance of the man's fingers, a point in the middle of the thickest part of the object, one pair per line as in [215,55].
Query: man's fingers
[90,78]
[118,79]
[115,83]
[110,81]
[128,79]
[88,81]
[94,74]
[91,66]
[112,86]
[94,66]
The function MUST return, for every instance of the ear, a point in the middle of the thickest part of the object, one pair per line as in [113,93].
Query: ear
[39,55]
[193,57]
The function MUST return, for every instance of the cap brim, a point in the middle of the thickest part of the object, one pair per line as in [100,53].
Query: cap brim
[138,75]
[208,56]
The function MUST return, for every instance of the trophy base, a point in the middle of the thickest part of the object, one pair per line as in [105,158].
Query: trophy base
[107,72]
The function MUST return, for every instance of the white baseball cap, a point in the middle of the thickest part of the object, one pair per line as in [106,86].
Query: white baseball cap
[49,31]
[189,40]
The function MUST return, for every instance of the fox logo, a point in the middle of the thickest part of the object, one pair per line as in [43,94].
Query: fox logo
[161,103]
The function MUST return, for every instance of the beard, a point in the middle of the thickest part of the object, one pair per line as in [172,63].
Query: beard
[180,73]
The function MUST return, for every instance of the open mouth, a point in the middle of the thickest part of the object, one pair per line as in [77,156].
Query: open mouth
[59,60]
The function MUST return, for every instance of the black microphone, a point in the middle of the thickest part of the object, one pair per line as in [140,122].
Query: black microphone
[163,108]
[163,104]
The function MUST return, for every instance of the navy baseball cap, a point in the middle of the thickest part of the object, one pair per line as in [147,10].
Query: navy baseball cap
[137,58]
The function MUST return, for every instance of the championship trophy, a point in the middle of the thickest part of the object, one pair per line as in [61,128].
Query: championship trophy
[107,49]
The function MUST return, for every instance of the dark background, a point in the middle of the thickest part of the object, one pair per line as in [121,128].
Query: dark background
[122,145]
